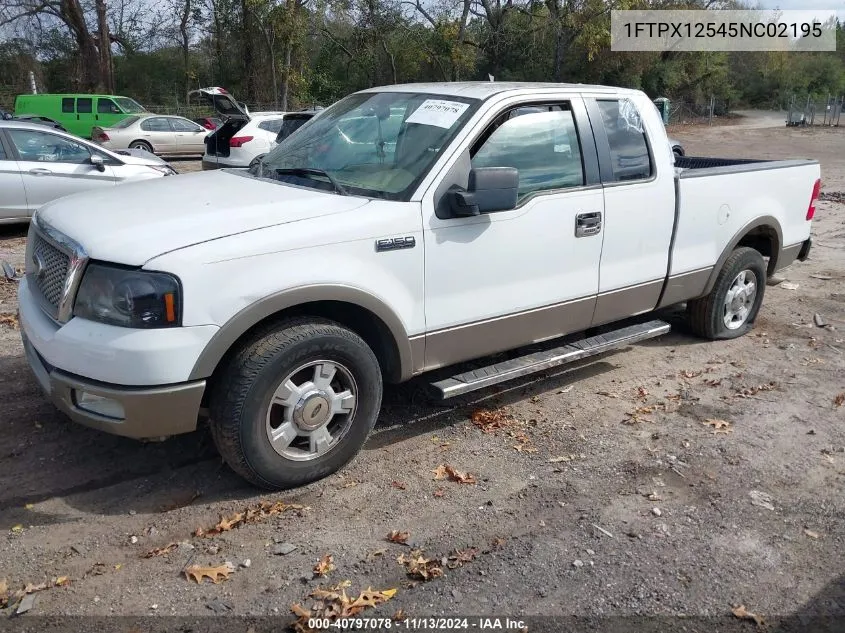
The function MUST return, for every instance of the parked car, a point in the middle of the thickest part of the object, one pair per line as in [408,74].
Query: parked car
[245,136]
[38,165]
[42,120]
[290,123]
[78,113]
[208,122]
[403,229]
[160,134]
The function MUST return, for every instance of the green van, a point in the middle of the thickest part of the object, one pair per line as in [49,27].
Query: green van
[78,113]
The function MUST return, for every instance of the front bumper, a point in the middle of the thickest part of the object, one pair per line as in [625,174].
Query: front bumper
[144,412]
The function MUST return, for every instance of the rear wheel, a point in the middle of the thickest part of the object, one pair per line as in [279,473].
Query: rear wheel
[731,307]
[296,403]
[141,145]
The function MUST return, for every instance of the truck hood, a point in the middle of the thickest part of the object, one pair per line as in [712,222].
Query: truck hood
[135,222]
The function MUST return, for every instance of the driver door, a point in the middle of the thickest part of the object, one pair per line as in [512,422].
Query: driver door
[53,166]
[502,280]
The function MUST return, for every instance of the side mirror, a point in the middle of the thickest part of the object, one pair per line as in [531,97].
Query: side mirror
[489,189]
[98,162]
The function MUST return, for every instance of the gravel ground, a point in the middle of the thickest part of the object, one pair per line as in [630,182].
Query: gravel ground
[678,478]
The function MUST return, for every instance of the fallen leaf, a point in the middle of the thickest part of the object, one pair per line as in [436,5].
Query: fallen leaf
[498,542]
[811,533]
[333,603]
[417,566]
[489,420]
[839,400]
[439,492]
[562,458]
[399,615]
[350,484]
[642,393]
[719,426]
[396,536]
[215,574]
[253,514]
[742,613]
[461,556]
[445,471]
[17,529]
[61,581]
[398,485]
[160,551]
[689,373]
[324,566]
[4,594]
[9,319]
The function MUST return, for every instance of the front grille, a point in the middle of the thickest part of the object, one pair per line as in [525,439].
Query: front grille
[49,274]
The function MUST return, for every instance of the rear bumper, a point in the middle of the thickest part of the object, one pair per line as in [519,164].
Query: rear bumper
[137,412]
[214,164]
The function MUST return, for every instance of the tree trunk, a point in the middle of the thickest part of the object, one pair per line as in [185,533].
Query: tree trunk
[89,56]
[249,66]
[183,30]
[104,40]
[286,79]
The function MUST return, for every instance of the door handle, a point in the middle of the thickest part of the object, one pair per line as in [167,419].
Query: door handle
[587,224]
[40,171]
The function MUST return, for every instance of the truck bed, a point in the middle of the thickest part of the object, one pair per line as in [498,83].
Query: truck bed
[696,166]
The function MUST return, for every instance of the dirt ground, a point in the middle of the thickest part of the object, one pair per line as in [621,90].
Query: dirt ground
[677,478]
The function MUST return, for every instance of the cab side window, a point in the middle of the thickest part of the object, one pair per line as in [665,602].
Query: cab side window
[541,142]
[107,106]
[629,155]
[67,105]
[83,106]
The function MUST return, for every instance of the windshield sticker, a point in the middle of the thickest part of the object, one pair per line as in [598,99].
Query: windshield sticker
[438,112]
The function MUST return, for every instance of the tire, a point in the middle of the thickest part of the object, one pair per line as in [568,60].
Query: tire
[711,317]
[141,145]
[301,351]
[678,151]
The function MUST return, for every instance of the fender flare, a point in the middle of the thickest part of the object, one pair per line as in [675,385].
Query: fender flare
[767,221]
[266,307]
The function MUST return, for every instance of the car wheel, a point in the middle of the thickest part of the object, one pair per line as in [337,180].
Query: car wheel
[296,403]
[141,145]
[731,307]
[678,151]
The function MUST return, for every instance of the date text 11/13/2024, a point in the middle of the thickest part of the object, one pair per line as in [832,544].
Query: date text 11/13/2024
[419,624]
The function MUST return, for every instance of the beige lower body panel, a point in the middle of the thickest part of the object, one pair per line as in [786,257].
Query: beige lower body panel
[788,255]
[685,286]
[474,340]
[627,302]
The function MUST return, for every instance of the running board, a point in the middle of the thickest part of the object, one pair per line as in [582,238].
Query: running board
[539,361]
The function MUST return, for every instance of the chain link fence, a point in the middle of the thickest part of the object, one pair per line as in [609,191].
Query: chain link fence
[814,111]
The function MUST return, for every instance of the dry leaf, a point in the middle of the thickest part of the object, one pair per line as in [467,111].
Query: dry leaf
[333,603]
[420,567]
[9,319]
[498,542]
[4,594]
[399,615]
[439,492]
[489,420]
[642,393]
[252,514]
[160,551]
[61,581]
[719,426]
[461,556]
[215,574]
[811,533]
[742,613]
[396,536]
[445,471]
[399,485]
[839,400]
[324,566]
[350,484]
[687,373]
[562,458]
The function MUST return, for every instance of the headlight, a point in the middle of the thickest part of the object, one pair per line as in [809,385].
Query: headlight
[128,297]
[167,170]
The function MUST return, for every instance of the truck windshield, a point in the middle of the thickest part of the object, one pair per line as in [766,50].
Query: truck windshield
[377,144]
[129,105]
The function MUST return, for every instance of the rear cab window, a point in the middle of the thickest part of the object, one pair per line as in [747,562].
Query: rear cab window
[541,142]
[630,159]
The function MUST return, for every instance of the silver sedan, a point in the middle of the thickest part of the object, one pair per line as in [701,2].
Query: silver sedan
[38,164]
[156,133]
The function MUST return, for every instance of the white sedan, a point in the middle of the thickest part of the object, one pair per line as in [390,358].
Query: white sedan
[166,135]
[38,165]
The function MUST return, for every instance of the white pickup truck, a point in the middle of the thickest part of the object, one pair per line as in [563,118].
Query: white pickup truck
[401,230]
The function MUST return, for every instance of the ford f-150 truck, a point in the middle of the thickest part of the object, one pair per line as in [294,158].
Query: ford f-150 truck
[401,230]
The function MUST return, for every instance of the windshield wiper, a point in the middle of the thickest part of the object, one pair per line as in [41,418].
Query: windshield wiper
[313,171]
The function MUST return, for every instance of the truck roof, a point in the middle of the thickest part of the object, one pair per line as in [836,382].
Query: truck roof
[486,89]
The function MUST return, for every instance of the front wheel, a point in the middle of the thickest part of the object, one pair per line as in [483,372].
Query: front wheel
[296,403]
[731,307]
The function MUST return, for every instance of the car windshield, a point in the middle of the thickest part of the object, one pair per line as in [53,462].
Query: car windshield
[126,122]
[129,105]
[377,144]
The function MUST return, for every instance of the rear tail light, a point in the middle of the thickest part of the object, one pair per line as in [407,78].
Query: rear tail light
[811,211]
[238,141]
[101,137]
